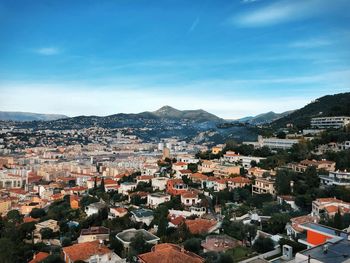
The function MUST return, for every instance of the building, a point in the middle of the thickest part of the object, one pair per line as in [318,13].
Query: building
[94,233]
[50,224]
[189,198]
[74,201]
[159,183]
[226,170]
[94,208]
[217,149]
[5,206]
[39,257]
[288,199]
[330,122]
[169,253]
[293,228]
[90,252]
[340,178]
[329,207]
[317,234]
[319,165]
[176,187]
[273,143]
[264,186]
[126,236]
[329,252]
[126,187]
[202,226]
[246,161]
[155,199]
[115,212]
[143,216]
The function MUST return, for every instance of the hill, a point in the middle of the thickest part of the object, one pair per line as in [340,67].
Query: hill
[264,118]
[330,105]
[28,116]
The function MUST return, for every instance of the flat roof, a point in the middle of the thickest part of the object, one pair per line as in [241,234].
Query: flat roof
[336,252]
[129,234]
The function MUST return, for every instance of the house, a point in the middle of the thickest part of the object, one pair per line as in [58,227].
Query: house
[91,252]
[176,186]
[155,199]
[202,226]
[126,187]
[207,166]
[190,198]
[142,215]
[264,186]
[169,253]
[159,183]
[74,201]
[329,207]
[317,234]
[217,149]
[94,208]
[144,179]
[256,171]
[288,199]
[50,224]
[39,257]
[339,178]
[293,228]
[238,182]
[5,206]
[126,236]
[94,233]
[179,166]
[115,212]
[329,252]
[226,170]
[111,185]
[149,169]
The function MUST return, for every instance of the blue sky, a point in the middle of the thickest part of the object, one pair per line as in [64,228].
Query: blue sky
[232,58]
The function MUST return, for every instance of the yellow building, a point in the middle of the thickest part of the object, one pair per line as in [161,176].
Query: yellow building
[217,149]
[5,206]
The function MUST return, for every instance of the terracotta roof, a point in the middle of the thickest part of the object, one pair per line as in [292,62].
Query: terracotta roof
[180,163]
[85,250]
[78,188]
[186,171]
[110,181]
[296,221]
[189,195]
[39,257]
[331,209]
[177,220]
[239,180]
[144,177]
[199,226]
[169,253]
[30,219]
[120,210]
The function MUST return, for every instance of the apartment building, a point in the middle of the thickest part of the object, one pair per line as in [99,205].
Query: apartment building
[330,122]
[264,186]
[273,143]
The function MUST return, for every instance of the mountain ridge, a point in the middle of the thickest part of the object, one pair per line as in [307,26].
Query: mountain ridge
[29,116]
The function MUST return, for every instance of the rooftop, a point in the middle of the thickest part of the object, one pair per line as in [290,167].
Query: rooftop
[129,234]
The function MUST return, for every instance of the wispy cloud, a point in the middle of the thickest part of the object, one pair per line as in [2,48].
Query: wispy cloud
[47,51]
[286,11]
[311,43]
[194,25]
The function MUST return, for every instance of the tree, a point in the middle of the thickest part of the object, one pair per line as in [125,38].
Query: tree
[282,183]
[138,245]
[46,233]
[263,245]
[337,221]
[102,186]
[14,216]
[95,183]
[277,223]
[115,244]
[6,250]
[37,213]
[193,245]
[225,258]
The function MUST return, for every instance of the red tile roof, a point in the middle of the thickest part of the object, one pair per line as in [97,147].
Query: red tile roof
[169,253]
[85,250]
[199,226]
[39,257]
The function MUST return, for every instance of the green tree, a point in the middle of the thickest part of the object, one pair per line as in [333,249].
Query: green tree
[193,245]
[263,245]
[14,216]
[37,213]
[46,233]
[7,252]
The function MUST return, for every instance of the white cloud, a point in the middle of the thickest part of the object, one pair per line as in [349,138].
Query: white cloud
[48,51]
[287,11]
[193,25]
[311,43]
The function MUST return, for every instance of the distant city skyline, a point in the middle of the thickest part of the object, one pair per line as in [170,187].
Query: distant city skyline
[230,58]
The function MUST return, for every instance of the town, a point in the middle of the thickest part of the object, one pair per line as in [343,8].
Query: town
[105,195]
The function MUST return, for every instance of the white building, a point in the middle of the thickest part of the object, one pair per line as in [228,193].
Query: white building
[142,215]
[159,183]
[155,199]
[94,208]
[341,178]
[126,187]
[330,122]
[189,198]
[273,143]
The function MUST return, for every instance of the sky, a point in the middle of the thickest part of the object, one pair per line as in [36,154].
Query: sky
[233,58]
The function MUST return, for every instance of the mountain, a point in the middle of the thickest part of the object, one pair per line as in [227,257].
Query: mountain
[330,105]
[198,115]
[264,118]
[190,125]
[28,116]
